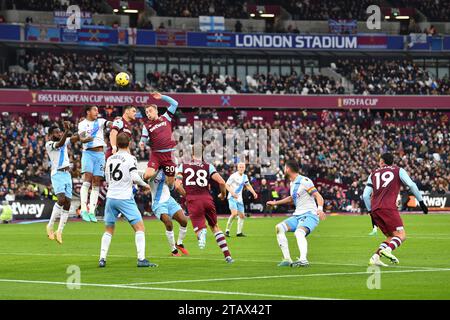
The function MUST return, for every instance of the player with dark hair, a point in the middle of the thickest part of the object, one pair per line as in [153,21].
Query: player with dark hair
[91,132]
[158,129]
[121,172]
[193,180]
[121,124]
[57,150]
[380,197]
[305,217]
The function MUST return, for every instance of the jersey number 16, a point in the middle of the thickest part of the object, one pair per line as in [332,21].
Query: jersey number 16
[115,174]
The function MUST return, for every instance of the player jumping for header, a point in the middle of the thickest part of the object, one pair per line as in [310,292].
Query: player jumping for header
[61,178]
[158,129]
[236,183]
[305,217]
[121,172]
[91,132]
[193,180]
[380,197]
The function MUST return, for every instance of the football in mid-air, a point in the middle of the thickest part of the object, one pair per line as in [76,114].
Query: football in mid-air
[122,79]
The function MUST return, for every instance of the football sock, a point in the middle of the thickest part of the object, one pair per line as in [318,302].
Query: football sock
[395,243]
[229,223]
[140,244]
[63,220]
[382,246]
[282,241]
[171,239]
[300,234]
[222,242]
[106,241]
[84,193]
[240,225]
[93,199]
[374,229]
[55,214]
[181,235]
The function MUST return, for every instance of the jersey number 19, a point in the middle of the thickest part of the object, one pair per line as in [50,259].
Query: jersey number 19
[386,177]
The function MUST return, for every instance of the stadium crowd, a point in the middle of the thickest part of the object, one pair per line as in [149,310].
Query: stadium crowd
[69,71]
[189,8]
[434,10]
[339,160]
[75,71]
[391,77]
[52,5]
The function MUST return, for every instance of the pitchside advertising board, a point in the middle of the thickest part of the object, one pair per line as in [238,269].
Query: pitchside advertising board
[42,209]
[32,209]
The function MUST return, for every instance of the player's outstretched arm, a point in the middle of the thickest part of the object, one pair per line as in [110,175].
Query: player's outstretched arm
[287,200]
[173,103]
[137,179]
[222,185]
[366,197]
[406,179]
[62,141]
[231,191]
[249,187]
[74,138]
[179,187]
[144,136]
[367,193]
[85,138]
[320,203]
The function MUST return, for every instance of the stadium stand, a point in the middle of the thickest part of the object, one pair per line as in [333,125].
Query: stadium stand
[189,8]
[51,5]
[81,71]
[70,71]
[371,76]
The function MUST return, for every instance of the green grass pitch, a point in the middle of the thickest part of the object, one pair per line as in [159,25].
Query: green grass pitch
[33,267]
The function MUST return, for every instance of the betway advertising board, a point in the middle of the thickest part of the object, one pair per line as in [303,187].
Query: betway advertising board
[32,209]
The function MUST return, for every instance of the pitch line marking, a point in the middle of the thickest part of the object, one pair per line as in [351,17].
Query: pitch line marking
[205,259]
[121,286]
[281,276]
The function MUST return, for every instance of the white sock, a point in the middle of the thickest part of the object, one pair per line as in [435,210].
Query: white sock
[283,241]
[171,238]
[181,235]
[93,199]
[63,220]
[300,234]
[229,223]
[106,241]
[140,244]
[84,194]
[374,229]
[55,214]
[240,225]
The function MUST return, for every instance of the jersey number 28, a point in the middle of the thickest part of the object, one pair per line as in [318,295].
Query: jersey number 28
[201,179]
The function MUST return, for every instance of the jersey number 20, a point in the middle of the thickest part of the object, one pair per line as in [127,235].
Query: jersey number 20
[200,180]
[386,177]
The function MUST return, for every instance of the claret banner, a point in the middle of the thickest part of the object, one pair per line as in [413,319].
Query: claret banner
[22,97]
